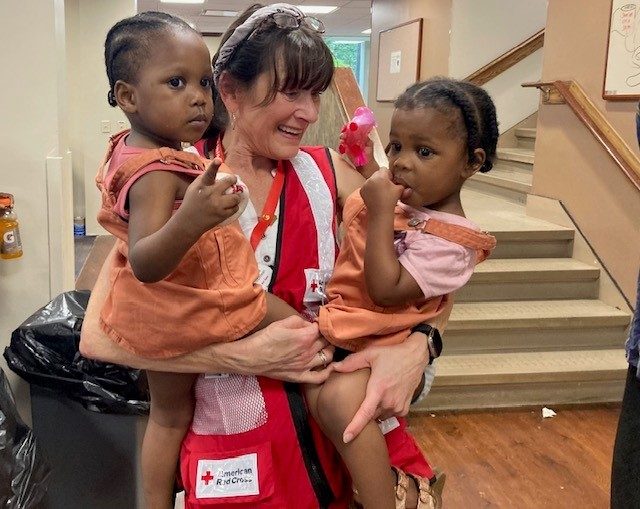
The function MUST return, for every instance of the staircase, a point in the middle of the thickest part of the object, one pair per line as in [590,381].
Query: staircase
[512,174]
[529,328]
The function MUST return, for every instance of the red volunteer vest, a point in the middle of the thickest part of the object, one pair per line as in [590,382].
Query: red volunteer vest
[297,466]
[286,461]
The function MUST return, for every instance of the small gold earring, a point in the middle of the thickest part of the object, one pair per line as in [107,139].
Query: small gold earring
[233,121]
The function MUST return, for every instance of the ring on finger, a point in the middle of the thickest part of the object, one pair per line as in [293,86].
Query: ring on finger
[323,357]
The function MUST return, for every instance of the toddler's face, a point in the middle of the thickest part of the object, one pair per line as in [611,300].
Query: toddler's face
[427,153]
[173,100]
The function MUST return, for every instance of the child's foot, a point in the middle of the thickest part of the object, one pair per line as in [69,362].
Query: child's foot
[422,493]
[429,490]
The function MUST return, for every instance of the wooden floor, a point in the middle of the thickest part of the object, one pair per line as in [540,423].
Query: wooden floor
[516,459]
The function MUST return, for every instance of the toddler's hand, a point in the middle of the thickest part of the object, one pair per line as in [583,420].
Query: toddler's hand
[371,165]
[207,202]
[380,193]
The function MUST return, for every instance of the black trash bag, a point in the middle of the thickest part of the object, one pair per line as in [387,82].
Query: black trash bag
[24,473]
[44,351]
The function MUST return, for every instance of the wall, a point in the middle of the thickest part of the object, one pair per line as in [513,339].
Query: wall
[88,22]
[494,26]
[213,43]
[435,44]
[498,30]
[461,36]
[570,165]
[33,108]
[513,102]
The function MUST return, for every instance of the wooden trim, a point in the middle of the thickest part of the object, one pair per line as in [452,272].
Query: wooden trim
[507,60]
[349,93]
[550,94]
[613,97]
[599,126]
[351,98]
[99,252]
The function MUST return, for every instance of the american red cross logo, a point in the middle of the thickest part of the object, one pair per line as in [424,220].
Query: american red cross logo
[314,285]
[207,477]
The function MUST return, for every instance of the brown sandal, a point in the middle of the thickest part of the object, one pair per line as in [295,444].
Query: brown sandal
[402,486]
[429,495]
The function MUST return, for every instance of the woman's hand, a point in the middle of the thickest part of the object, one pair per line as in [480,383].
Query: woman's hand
[396,371]
[287,350]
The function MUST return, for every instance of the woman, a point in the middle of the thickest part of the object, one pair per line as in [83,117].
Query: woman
[269,73]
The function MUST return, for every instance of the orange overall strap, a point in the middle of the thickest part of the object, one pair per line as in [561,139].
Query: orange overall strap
[163,155]
[482,242]
[103,167]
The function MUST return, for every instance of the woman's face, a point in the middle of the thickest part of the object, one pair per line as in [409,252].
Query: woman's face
[275,130]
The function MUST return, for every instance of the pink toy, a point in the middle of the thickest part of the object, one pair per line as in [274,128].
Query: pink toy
[355,135]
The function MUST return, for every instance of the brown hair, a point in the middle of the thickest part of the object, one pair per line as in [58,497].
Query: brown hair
[296,58]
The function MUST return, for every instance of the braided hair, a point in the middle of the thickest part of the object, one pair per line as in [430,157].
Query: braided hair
[475,105]
[129,43]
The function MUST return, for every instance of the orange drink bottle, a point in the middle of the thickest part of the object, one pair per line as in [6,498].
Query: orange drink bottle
[10,244]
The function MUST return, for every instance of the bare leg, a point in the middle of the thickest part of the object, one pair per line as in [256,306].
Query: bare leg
[169,418]
[333,405]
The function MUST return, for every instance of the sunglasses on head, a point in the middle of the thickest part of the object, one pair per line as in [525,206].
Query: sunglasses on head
[290,21]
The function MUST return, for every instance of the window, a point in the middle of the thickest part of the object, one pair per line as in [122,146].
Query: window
[352,52]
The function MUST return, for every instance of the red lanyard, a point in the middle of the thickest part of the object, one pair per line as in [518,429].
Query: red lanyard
[268,216]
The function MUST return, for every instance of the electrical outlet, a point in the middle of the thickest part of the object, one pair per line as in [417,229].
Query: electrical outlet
[122,124]
[105,126]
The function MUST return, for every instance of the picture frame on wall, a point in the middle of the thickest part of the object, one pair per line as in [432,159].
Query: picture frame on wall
[622,70]
[399,52]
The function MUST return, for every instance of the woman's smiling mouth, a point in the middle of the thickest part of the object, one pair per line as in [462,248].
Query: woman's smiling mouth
[290,131]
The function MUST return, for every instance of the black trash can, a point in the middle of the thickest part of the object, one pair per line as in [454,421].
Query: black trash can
[89,417]
[24,472]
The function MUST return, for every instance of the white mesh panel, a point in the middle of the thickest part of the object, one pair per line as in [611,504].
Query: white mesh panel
[227,405]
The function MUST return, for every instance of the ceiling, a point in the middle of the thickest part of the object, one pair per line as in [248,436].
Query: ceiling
[350,19]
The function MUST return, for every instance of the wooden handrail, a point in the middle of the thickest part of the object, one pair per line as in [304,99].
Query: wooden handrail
[351,97]
[507,60]
[574,95]
[338,105]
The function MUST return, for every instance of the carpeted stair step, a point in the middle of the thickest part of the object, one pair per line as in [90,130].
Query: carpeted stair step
[535,325]
[526,137]
[530,279]
[526,378]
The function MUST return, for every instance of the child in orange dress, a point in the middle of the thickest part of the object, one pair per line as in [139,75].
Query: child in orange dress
[185,275]
[407,248]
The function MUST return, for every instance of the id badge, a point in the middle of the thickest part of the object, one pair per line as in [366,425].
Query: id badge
[315,292]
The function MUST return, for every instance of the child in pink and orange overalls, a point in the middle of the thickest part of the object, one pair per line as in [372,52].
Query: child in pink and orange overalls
[407,248]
